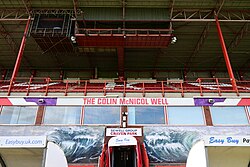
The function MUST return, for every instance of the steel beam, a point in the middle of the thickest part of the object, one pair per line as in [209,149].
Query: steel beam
[124,3]
[19,56]
[171,5]
[58,62]
[13,15]
[27,6]
[220,3]
[20,53]
[199,44]
[226,57]
[185,14]
[159,53]
[197,15]
[89,56]
[245,65]
[76,7]
[120,53]
[54,55]
[239,36]
[22,14]
[178,15]
[55,44]
[55,11]
[235,42]
[8,38]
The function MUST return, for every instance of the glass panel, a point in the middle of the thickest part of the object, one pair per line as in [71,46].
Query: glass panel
[101,115]
[146,115]
[248,113]
[228,115]
[18,115]
[62,115]
[185,116]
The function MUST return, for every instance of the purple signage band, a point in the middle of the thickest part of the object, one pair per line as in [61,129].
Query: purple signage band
[42,101]
[207,101]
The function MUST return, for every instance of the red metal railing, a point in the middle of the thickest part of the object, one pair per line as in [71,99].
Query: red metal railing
[83,87]
[128,32]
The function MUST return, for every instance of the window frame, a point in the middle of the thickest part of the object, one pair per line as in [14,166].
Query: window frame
[83,116]
[164,113]
[202,112]
[245,110]
[20,106]
[44,112]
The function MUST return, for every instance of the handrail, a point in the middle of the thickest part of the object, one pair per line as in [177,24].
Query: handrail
[89,31]
[218,86]
[46,86]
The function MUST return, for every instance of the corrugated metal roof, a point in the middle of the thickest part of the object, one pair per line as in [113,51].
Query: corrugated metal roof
[175,56]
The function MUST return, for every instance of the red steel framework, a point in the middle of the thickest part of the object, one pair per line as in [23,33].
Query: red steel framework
[226,57]
[46,86]
[20,54]
[153,38]
[127,38]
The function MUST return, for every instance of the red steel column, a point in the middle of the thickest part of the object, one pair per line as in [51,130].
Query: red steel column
[120,52]
[224,50]
[20,55]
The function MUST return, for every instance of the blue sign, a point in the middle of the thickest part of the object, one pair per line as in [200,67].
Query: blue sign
[227,140]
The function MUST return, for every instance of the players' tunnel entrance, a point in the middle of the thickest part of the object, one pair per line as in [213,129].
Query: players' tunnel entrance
[123,152]
[121,149]
[124,156]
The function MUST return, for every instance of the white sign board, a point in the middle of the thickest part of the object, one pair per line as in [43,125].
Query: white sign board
[123,132]
[126,101]
[227,140]
[122,141]
[22,141]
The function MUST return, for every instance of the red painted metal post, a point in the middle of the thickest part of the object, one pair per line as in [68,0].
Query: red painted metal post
[85,88]
[226,57]
[124,88]
[199,80]
[21,50]
[162,88]
[105,89]
[47,86]
[120,52]
[182,90]
[218,86]
[143,89]
[19,56]
[66,88]
[28,89]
